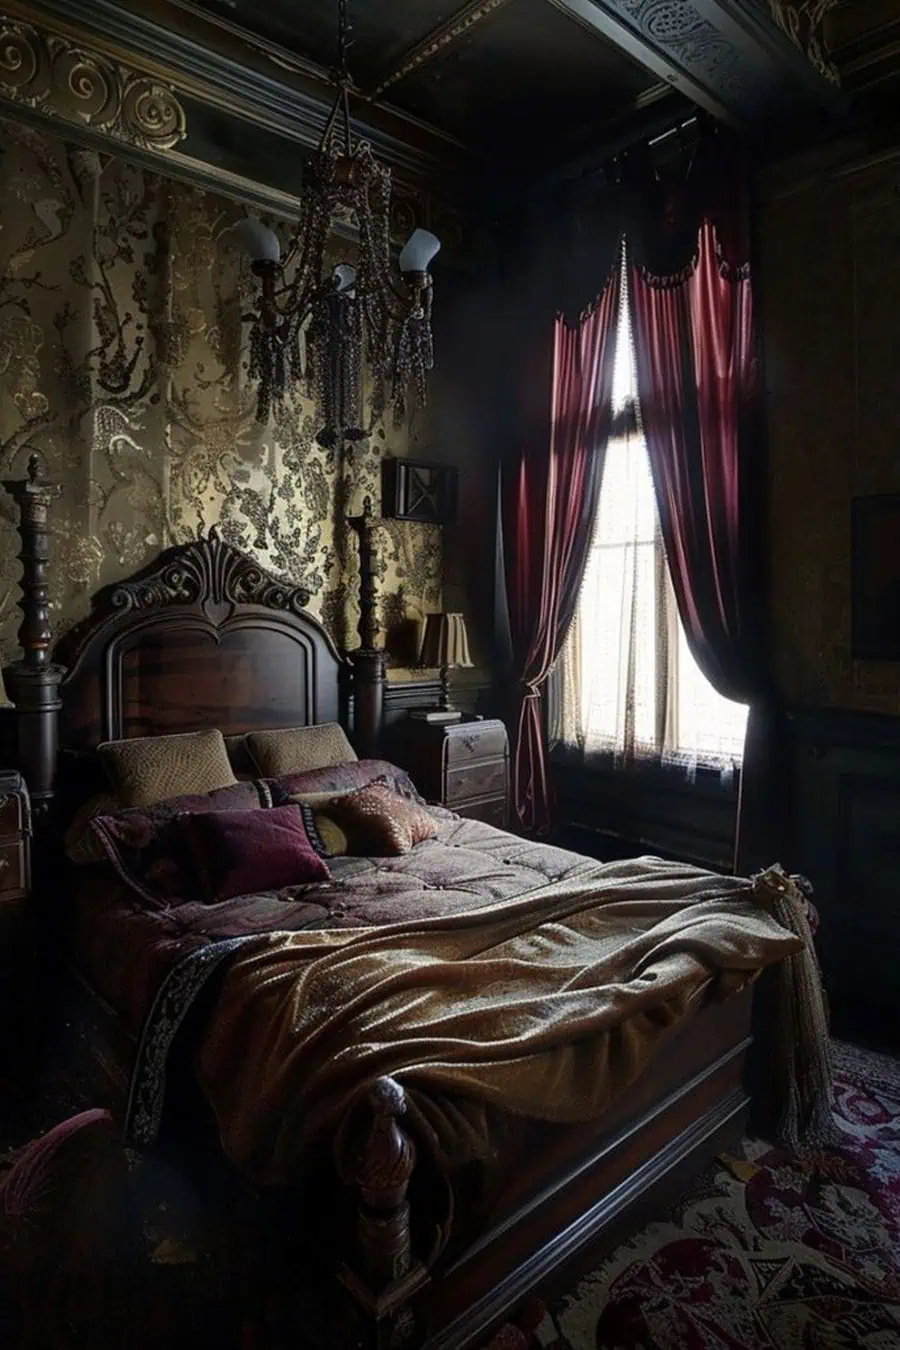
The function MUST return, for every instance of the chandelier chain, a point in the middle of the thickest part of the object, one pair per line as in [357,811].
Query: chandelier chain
[344,40]
[324,323]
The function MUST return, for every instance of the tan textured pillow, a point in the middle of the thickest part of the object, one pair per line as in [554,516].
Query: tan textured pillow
[300,749]
[150,769]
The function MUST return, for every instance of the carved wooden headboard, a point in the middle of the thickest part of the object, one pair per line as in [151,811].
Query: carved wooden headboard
[202,637]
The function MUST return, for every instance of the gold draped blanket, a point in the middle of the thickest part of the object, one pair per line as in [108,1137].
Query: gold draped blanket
[548,1005]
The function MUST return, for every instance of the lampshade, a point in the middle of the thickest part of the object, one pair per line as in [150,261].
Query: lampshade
[445,642]
[257,240]
[419,251]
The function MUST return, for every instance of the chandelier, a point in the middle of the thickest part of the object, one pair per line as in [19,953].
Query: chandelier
[325,323]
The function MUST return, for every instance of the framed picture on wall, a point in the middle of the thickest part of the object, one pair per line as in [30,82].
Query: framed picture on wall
[876,578]
[413,489]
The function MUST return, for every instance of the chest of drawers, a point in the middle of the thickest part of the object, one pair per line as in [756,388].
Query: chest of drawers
[461,765]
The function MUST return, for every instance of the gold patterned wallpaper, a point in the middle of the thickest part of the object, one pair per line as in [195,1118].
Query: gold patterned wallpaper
[830,320]
[123,362]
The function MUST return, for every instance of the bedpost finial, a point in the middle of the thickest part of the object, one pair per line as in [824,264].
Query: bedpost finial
[367,506]
[37,469]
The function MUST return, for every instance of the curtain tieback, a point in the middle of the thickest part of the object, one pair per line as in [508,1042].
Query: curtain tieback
[529,690]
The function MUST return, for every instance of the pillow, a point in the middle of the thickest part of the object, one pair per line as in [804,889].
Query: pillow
[333,840]
[342,778]
[299,749]
[145,844]
[239,758]
[239,852]
[149,769]
[378,822]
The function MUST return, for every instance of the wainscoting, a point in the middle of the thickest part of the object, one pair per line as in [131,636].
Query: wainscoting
[614,813]
[843,833]
[845,836]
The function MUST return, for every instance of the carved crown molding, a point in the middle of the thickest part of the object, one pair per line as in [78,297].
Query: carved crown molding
[210,573]
[803,21]
[728,56]
[70,82]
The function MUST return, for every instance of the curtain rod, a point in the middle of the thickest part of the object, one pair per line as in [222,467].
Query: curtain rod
[653,134]
[673,131]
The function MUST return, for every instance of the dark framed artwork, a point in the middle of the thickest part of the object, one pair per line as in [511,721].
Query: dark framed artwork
[876,578]
[413,489]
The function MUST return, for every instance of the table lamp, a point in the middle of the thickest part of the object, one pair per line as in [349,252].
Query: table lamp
[445,646]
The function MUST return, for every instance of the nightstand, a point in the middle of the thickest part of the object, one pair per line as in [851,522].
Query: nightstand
[15,920]
[461,765]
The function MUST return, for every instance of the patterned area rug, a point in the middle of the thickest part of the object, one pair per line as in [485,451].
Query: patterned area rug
[770,1251]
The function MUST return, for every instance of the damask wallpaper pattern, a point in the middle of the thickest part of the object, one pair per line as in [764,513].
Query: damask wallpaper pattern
[123,362]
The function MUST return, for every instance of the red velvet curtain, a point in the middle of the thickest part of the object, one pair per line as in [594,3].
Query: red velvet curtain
[550,505]
[697,376]
[698,385]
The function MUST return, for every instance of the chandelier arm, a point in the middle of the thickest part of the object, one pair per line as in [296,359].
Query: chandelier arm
[348,135]
[337,107]
[397,299]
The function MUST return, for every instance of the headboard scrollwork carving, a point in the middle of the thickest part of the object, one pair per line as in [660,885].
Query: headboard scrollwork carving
[209,572]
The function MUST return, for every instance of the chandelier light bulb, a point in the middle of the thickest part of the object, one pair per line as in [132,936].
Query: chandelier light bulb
[257,240]
[419,251]
[345,277]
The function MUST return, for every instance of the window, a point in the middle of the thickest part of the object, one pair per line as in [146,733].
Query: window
[628,681]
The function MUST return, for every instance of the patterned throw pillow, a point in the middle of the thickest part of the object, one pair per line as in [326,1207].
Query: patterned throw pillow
[378,822]
[241,852]
[150,769]
[145,844]
[343,778]
[299,749]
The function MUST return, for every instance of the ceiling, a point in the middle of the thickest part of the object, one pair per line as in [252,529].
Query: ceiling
[862,37]
[509,78]
[484,101]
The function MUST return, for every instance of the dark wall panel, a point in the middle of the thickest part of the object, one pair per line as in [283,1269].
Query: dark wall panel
[846,839]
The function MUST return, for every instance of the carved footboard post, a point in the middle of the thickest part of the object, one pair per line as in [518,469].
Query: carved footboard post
[383,1274]
[32,683]
[368,658]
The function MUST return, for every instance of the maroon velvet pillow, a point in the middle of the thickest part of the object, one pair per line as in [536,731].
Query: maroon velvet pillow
[240,852]
[146,844]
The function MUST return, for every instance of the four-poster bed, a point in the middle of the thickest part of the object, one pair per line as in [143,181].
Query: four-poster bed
[205,637]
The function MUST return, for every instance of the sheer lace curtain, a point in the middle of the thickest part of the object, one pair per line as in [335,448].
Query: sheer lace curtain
[626,683]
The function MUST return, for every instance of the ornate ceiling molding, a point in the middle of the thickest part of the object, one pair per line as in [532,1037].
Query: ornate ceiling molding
[435,42]
[131,97]
[276,95]
[803,21]
[728,56]
[70,82]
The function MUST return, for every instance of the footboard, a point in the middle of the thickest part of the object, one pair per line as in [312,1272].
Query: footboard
[690,1104]
[383,1274]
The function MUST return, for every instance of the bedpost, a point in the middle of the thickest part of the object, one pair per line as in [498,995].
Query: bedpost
[32,683]
[383,1275]
[368,658]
